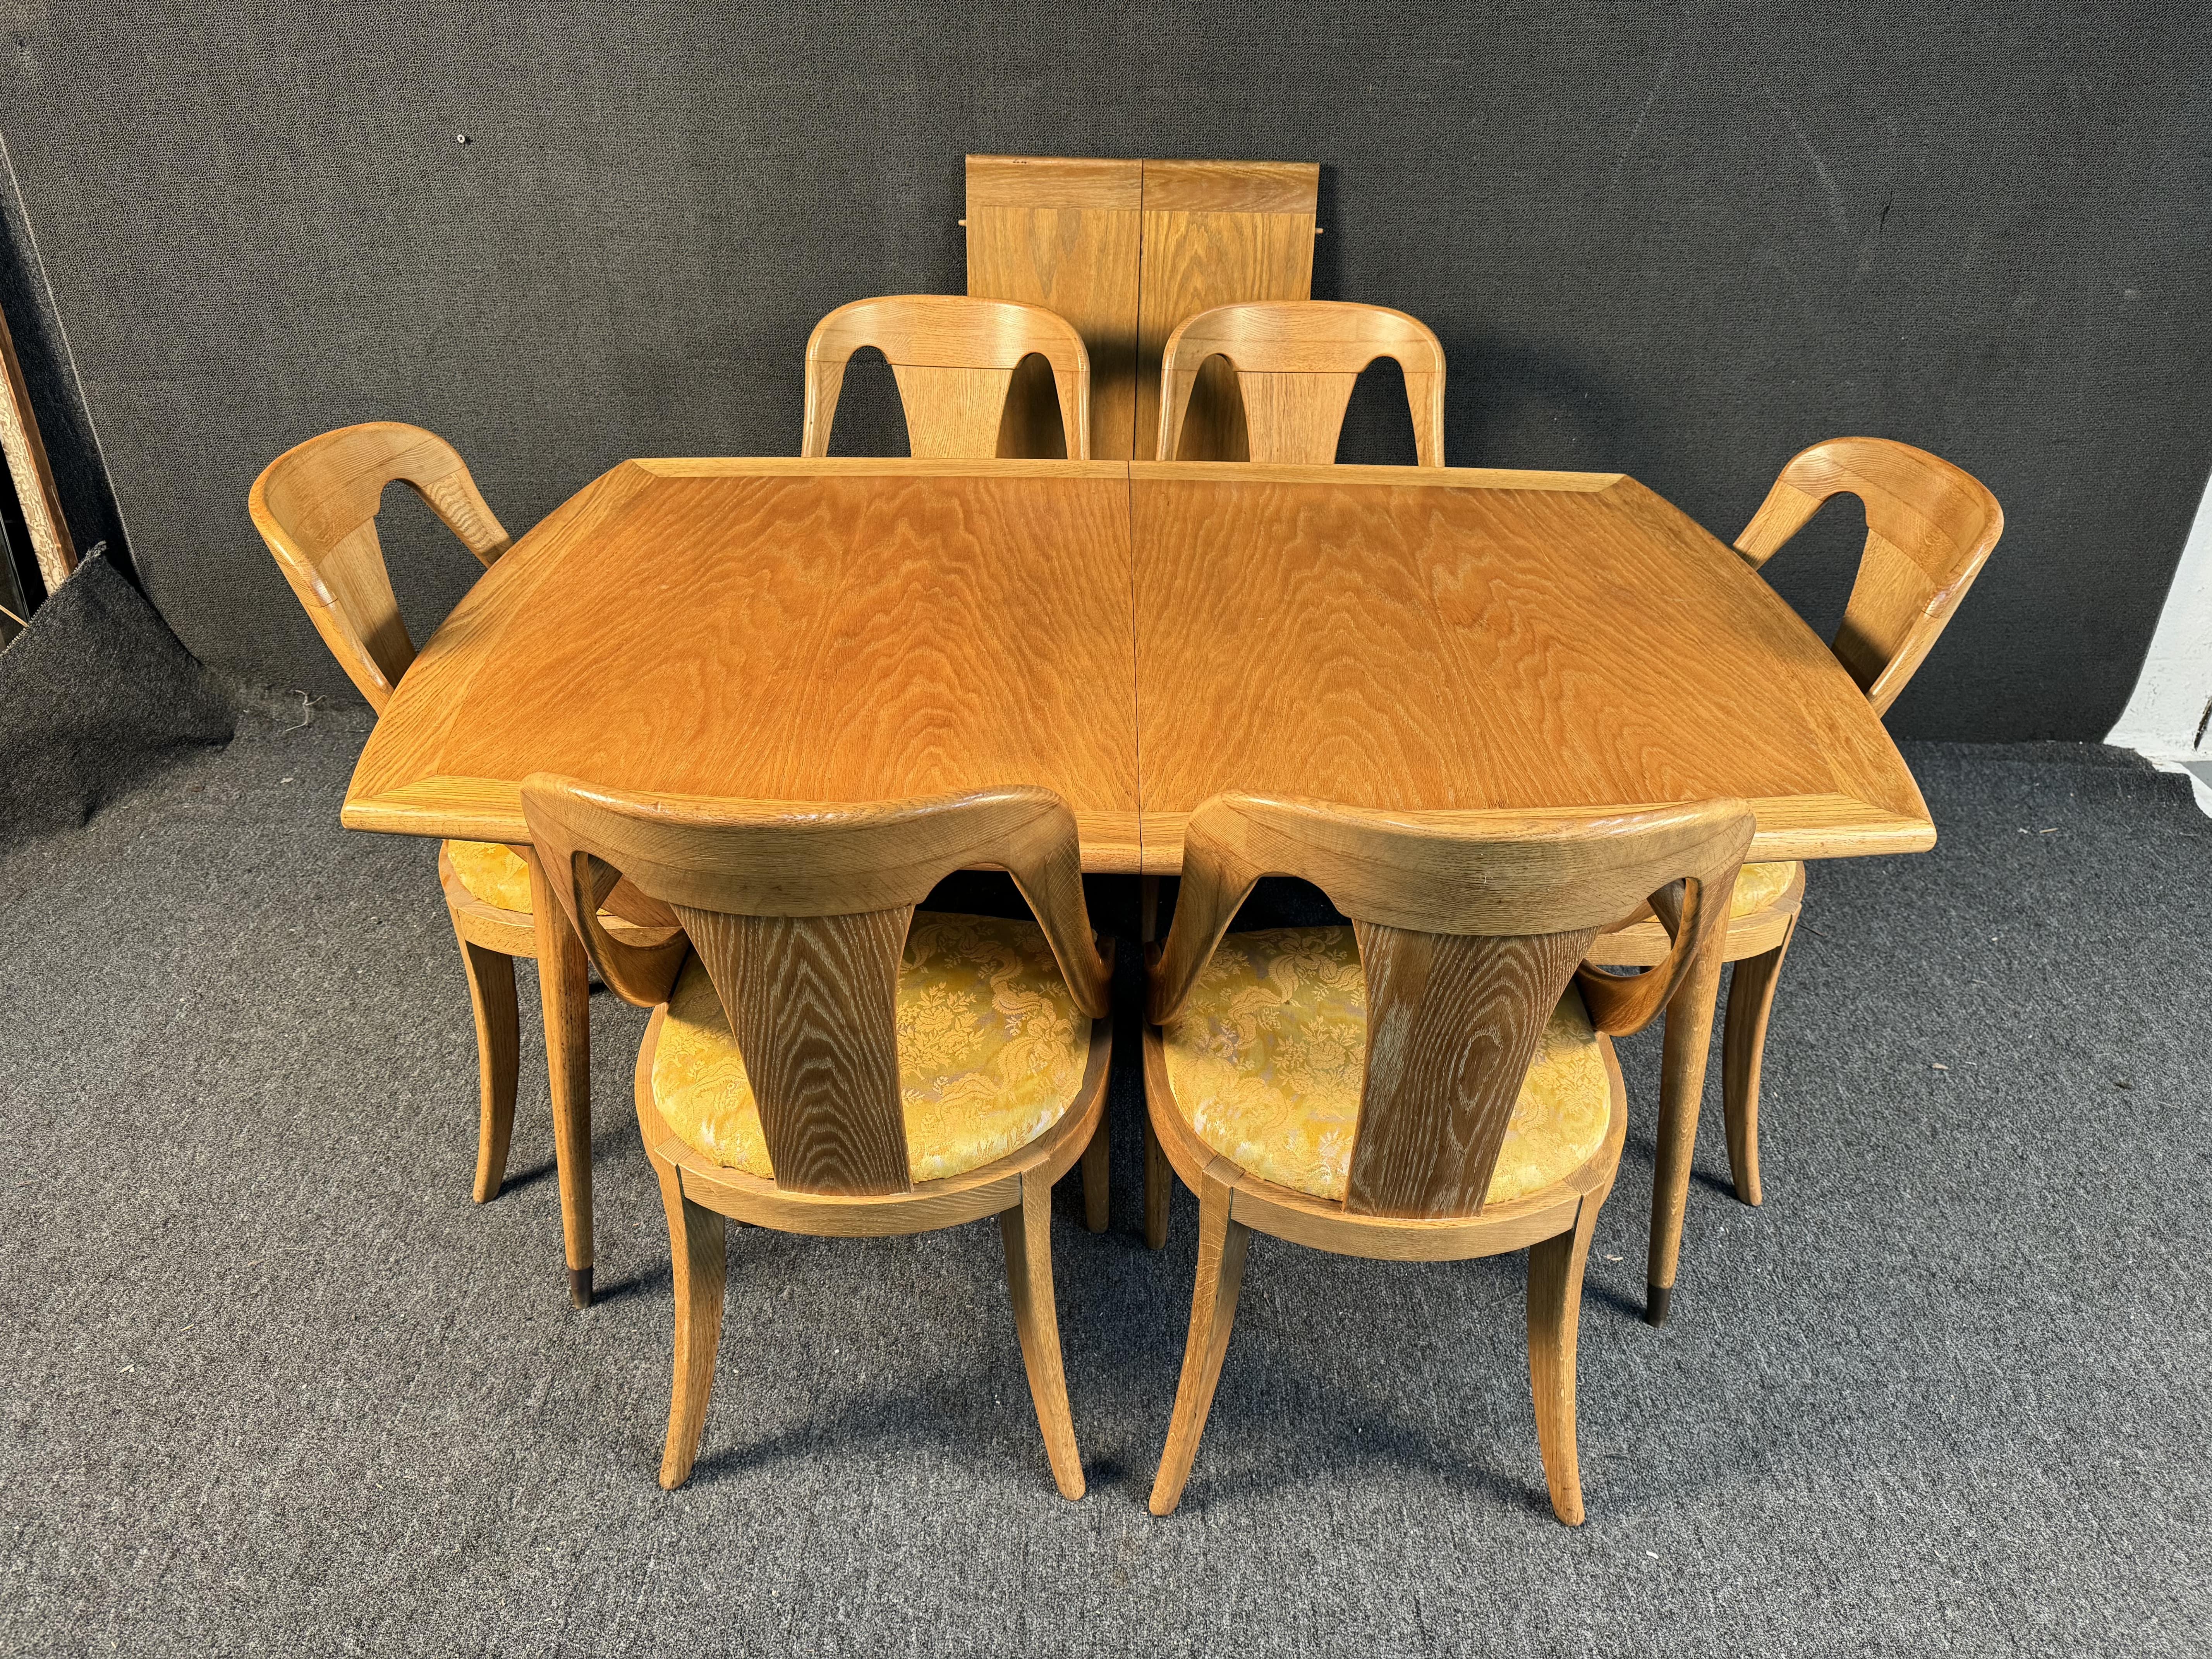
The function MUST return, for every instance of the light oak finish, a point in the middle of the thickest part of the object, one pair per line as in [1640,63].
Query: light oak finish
[803,630]
[316,506]
[954,360]
[1404,637]
[1296,363]
[1470,927]
[785,630]
[1497,616]
[799,913]
[1931,527]
[1217,232]
[1000,647]
[1125,250]
[1064,234]
[1418,638]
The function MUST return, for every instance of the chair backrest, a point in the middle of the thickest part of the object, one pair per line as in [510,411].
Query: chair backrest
[1297,361]
[315,505]
[799,913]
[954,358]
[1929,529]
[1469,926]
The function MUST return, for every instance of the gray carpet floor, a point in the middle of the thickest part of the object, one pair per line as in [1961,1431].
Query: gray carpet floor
[272,1384]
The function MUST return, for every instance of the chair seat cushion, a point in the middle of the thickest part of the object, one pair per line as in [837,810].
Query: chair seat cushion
[991,1048]
[1759,884]
[493,872]
[1266,1062]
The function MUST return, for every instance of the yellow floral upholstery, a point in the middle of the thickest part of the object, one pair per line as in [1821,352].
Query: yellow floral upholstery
[1266,1058]
[991,1048]
[492,872]
[1759,885]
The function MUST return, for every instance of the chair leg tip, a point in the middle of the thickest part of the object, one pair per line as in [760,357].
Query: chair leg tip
[580,1286]
[1657,1300]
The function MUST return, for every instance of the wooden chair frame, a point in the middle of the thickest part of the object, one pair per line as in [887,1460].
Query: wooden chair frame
[1296,363]
[955,359]
[799,913]
[1931,527]
[1470,927]
[316,506]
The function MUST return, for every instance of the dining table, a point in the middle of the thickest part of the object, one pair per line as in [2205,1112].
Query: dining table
[1136,636]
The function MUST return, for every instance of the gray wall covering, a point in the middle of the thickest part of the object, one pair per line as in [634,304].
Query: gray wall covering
[1681,242]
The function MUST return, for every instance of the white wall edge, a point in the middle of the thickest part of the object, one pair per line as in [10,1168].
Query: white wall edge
[2164,719]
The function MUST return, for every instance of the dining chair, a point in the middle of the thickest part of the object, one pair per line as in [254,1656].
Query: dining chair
[316,506]
[1435,1081]
[822,1060]
[954,359]
[1929,529]
[1296,363]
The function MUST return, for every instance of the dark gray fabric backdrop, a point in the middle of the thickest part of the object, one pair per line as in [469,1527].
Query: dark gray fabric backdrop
[1682,242]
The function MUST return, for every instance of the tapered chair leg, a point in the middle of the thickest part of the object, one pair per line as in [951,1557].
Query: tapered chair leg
[1159,1187]
[499,1049]
[1221,1244]
[1026,1230]
[1743,1048]
[1681,1096]
[565,990]
[1097,1178]
[695,1252]
[1555,1302]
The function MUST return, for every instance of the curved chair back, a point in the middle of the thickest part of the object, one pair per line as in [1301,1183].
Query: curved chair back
[954,359]
[315,505]
[1296,363]
[1469,925]
[1929,529]
[799,914]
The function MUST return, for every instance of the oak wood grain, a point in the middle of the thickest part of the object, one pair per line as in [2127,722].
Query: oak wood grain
[315,505]
[812,1006]
[954,361]
[1502,907]
[1026,1231]
[1454,1022]
[791,630]
[697,1194]
[1319,1223]
[1295,363]
[1931,527]
[698,1259]
[799,912]
[1065,235]
[1498,618]
[1216,232]
[1555,1303]
[1743,1047]
[564,993]
[1222,1243]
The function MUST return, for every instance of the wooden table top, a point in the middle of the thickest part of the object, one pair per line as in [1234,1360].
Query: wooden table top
[1383,636]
